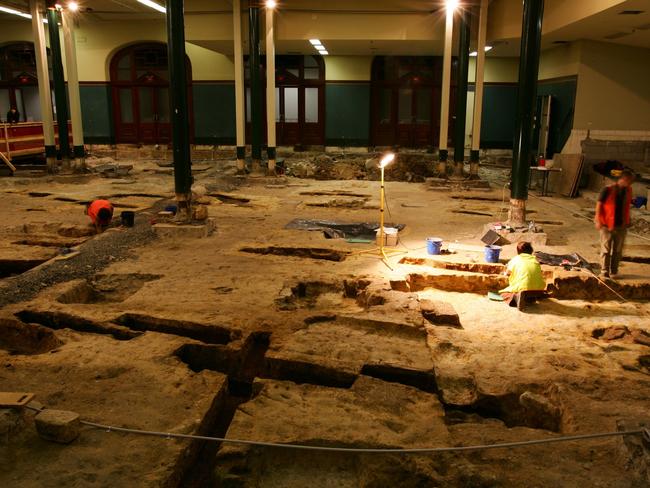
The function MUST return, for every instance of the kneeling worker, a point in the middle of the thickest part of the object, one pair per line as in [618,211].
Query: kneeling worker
[524,276]
[100,213]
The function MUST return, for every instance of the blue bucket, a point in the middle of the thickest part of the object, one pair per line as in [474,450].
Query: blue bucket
[434,244]
[492,253]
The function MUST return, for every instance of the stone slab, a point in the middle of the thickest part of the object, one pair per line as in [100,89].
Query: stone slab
[440,313]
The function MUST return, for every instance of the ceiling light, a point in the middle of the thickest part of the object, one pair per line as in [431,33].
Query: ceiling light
[271,4]
[154,6]
[314,42]
[73,6]
[473,53]
[319,46]
[15,12]
[488,48]
[323,53]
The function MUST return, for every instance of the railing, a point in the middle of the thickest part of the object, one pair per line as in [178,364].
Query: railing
[25,139]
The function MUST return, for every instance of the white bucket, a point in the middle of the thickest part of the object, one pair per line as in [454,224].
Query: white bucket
[390,236]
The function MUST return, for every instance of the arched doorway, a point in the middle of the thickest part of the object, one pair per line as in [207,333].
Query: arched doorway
[406,92]
[19,82]
[140,84]
[299,99]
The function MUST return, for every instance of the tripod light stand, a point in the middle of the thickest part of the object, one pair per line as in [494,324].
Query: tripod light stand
[380,251]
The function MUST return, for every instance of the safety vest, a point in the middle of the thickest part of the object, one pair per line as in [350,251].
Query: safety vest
[608,214]
[95,207]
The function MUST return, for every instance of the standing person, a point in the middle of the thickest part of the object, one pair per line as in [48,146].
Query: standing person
[525,279]
[612,219]
[13,116]
[100,213]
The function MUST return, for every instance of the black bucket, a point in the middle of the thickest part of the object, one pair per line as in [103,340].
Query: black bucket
[128,218]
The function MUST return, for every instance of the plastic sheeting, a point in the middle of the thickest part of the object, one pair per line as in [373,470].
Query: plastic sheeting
[346,230]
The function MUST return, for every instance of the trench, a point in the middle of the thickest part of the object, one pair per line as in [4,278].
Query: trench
[199,472]
[230,199]
[61,320]
[15,267]
[299,252]
[18,337]
[210,334]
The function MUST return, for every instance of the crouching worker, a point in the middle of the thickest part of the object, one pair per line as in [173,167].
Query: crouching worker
[100,213]
[525,278]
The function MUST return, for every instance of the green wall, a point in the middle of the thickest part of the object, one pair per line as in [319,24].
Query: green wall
[96,114]
[562,109]
[498,120]
[214,113]
[347,114]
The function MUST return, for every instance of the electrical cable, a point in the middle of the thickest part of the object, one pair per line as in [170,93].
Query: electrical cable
[421,450]
[645,432]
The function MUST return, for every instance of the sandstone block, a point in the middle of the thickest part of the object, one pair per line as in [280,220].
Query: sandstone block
[60,426]
[440,313]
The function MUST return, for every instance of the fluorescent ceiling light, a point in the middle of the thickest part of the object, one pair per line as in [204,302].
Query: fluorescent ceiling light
[323,53]
[314,42]
[475,53]
[154,6]
[319,46]
[15,12]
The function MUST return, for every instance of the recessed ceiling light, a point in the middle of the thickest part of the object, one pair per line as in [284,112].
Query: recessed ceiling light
[314,41]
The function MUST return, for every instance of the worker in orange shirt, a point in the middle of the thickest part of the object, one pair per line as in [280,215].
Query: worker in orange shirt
[100,213]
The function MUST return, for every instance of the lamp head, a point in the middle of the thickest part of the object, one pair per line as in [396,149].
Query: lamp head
[386,160]
[73,6]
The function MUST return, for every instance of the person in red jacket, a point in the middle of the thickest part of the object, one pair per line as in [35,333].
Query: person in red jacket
[612,219]
[100,213]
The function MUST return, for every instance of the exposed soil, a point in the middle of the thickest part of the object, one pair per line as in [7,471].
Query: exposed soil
[265,333]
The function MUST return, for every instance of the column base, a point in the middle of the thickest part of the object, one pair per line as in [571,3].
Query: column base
[241,159]
[256,168]
[517,212]
[458,171]
[184,202]
[270,151]
[441,168]
[474,164]
[50,159]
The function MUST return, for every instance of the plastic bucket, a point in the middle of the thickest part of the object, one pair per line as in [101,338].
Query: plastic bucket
[128,218]
[434,244]
[492,253]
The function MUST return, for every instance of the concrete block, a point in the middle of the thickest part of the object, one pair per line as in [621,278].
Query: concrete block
[190,231]
[440,313]
[60,426]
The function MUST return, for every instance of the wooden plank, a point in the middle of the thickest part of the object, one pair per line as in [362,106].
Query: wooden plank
[7,162]
[12,399]
[571,169]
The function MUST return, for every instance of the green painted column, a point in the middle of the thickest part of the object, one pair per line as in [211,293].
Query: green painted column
[461,93]
[178,104]
[59,84]
[256,89]
[531,36]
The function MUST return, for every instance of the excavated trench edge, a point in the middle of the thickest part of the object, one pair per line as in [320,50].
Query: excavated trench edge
[299,252]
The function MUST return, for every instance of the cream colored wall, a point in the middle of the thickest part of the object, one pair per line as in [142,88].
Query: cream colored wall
[613,89]
[98,42]
[348,68]
[559,62]
[497,70]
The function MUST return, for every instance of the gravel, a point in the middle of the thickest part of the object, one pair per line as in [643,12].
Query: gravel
[95,255]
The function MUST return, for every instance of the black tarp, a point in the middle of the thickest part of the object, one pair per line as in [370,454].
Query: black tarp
[347,230]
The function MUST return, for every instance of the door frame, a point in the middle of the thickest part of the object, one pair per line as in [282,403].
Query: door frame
[149,79]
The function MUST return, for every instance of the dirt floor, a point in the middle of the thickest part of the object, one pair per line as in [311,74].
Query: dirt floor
[264,333]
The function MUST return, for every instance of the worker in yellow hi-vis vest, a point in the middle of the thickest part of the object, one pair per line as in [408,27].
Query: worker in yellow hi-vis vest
[525,278]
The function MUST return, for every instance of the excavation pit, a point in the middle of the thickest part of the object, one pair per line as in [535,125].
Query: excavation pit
[108,288]
[15,267]
[23,338]
[299,252]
